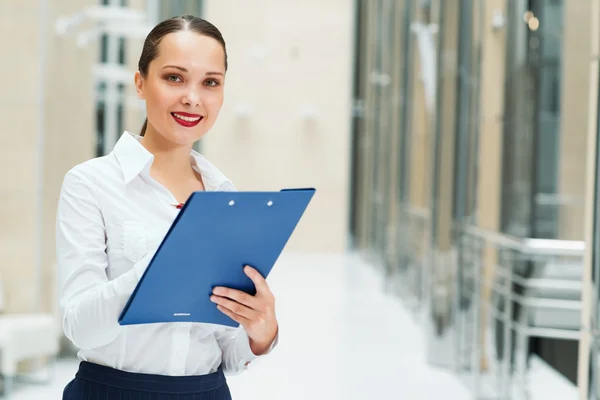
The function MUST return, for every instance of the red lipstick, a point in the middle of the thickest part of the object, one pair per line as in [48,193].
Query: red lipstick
[186,119]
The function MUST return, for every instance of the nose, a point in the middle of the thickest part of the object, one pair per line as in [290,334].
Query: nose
[192,97]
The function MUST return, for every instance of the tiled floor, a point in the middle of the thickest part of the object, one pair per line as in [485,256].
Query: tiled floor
[341,338]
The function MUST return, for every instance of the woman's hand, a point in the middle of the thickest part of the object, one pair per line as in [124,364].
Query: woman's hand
[255,313]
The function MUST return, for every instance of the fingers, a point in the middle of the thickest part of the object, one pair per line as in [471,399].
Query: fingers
[237,318]
[234,307]
[241,297]
[237,295]
[259,281]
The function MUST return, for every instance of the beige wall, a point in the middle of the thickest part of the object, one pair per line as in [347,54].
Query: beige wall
[492,104]
[574,117]
[68,73]
[18,120]
[421,133]
[284,56]
[68,127]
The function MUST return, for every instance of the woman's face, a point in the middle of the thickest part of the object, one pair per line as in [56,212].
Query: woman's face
[183,89]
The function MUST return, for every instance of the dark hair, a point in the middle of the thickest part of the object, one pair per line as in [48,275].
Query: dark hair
[171,25]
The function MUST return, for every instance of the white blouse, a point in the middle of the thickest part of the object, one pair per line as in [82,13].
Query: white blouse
[111,218]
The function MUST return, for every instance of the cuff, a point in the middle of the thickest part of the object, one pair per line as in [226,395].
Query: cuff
[242,342]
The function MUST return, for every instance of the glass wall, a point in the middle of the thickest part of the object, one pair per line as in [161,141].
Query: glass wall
[594,323]
[381,104]
[470,128]
[532,199]
[589,346]
[173,8]
[532,119]
[110,94]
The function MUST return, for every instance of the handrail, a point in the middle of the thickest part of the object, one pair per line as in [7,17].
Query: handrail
[418,212]
[528,246]
[554,246]
[491,236]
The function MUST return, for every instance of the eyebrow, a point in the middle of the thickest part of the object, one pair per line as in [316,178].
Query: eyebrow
[185,70]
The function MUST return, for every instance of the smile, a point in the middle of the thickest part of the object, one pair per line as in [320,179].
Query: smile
[187,120]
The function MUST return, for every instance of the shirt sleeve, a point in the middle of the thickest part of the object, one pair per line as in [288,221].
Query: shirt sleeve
[235,345]
[90,303]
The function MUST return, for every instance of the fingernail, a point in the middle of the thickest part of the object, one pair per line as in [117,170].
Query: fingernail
[213,298]
[216,290]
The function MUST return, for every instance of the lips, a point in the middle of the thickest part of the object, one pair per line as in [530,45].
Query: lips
[186,119]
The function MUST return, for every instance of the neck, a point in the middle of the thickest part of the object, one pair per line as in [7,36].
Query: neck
[170,160]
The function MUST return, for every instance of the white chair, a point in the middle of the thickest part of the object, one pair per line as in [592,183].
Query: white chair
[25,337]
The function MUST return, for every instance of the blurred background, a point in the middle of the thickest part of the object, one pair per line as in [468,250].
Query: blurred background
[451,250]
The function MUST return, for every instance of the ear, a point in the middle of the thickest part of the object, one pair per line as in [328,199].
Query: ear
[139,85]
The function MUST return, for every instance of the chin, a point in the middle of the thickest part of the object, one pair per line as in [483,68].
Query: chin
[186,136]
[184,140]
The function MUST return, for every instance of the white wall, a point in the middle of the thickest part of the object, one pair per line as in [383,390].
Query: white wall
[286,56]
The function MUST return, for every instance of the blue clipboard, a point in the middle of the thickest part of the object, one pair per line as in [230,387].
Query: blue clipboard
[212,238]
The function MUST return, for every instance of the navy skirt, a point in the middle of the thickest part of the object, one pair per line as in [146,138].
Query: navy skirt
[96,382]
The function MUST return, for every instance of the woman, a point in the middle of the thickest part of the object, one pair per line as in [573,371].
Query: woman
[113,212]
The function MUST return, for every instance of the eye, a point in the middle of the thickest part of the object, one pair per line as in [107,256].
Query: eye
[212,82]
[173,78]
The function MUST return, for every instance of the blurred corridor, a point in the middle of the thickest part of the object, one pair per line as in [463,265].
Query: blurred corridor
[451,250]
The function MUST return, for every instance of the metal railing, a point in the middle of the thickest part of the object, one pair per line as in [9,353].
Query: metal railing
[505,287]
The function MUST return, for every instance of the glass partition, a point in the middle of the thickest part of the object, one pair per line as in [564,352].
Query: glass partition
[380,116]
[403,171]
[363,176]
[110,94]
[382,127]
[544,158]
[532,118]
[470,124]
[375,79]
[171,8]
[593,301]
[441,319]
[466,156]
[397,63]
[357,123]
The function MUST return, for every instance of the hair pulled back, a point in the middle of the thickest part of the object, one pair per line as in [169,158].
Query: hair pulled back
[172,25]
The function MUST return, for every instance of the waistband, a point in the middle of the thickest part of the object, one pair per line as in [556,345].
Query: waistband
[149,382]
